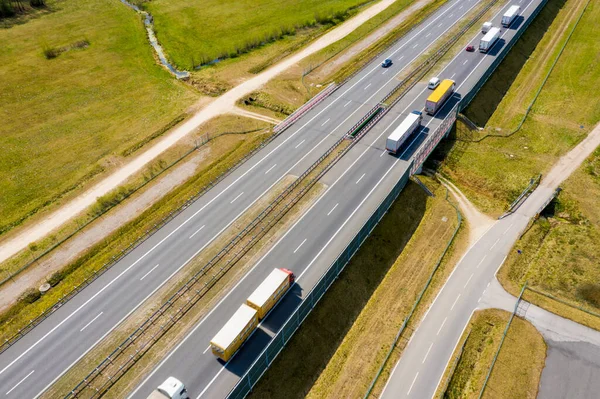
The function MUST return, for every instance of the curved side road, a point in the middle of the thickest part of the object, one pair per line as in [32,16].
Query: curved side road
[421,367]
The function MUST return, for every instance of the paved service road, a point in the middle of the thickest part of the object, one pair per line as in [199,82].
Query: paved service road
[32,364]
[419,370]
[356,186]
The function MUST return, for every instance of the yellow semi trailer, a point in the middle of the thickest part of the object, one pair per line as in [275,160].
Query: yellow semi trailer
[234,332]
[270,291]
[245,320]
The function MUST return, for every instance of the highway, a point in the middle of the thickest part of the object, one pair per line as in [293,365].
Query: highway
[356,185]
[31,365]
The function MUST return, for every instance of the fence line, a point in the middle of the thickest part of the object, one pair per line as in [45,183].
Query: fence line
[562,301]
[512,316]
[418,301]
[304,108]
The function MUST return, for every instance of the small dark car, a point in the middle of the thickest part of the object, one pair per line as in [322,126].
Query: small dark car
[386,63]
[470,48]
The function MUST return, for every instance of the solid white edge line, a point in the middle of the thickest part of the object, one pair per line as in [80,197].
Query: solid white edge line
[20,382]
[453,350]
[93,320]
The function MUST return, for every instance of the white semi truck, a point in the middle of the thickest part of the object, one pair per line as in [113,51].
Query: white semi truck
[510,15]
[403,131]
[488,41]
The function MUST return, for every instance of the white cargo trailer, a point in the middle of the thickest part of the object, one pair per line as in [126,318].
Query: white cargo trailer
[402,132]
[510,15]
[487,41]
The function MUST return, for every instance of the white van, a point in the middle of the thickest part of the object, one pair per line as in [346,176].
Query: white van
[433,83]
[172,388]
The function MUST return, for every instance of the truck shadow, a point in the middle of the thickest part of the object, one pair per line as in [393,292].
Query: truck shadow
[317,339]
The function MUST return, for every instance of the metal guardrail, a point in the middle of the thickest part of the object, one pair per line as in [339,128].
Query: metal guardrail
[264,360]
[310,104]
[533,183]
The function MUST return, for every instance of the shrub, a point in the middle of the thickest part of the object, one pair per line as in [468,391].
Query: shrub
[590,293]
[56,278]
[31,295]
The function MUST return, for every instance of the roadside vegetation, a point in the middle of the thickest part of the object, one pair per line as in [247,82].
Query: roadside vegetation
[560,253]
[517,371]
[492,171]
[354,325]
[79,86]
[222,153]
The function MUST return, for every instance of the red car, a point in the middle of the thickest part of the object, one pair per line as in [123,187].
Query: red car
[470,48]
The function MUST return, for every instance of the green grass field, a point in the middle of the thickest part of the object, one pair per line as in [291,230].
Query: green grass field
[494,171]
[193,33]
[65,118]
[518,369]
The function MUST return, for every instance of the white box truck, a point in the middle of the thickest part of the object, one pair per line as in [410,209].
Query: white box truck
[486,27]
[510,15]
[402,132]
[487,41]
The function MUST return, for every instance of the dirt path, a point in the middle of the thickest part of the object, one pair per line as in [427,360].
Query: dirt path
[478,222]
[254,115]
[102,227]
[219,106]
[568,163]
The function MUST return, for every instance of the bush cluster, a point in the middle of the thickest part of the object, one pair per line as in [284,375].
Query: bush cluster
[10,8]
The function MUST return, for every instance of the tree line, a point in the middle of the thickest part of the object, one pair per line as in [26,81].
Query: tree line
[10,8]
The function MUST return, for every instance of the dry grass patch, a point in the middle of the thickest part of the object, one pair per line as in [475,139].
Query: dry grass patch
[518,369]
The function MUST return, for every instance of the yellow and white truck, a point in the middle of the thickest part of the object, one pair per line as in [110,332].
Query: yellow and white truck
[245,320]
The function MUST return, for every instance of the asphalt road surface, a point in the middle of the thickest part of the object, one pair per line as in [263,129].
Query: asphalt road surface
[32,364]
[356,185]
